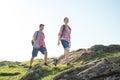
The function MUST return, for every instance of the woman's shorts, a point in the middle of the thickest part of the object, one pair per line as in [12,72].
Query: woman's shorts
[65,44]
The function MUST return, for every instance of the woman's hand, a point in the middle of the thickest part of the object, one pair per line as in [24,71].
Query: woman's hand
[70,44]
[58,42]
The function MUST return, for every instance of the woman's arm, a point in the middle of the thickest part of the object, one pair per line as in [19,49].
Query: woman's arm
[59,35]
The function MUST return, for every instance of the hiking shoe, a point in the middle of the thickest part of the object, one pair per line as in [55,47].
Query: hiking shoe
[55,64]
[30,67]
[69,65]
[45,64]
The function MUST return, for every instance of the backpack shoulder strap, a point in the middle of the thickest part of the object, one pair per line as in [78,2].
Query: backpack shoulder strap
[63,30]
[69,27]
[37,34]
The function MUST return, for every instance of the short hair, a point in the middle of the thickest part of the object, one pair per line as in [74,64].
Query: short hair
[66,18]
[41,25]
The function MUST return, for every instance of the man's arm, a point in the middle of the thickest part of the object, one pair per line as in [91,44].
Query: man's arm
[33,39]
[44,45]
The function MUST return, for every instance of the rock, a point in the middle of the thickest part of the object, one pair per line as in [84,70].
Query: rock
[112,48]
[76,56]
[100,69]
[104,49]
[83,50]
[89,53]
[98,48]
[33,74]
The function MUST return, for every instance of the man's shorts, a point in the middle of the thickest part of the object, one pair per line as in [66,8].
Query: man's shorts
[65,44]
[35,51]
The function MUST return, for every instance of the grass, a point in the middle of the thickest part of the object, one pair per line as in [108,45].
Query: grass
[102,55]
[9,70]
[8,73]
[48,72]
[14,73]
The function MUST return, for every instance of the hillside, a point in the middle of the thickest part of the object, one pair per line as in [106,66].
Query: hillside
[86,63]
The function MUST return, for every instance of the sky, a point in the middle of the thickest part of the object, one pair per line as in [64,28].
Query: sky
[92,22]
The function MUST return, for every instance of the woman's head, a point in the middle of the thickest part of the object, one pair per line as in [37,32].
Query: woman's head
[66,20]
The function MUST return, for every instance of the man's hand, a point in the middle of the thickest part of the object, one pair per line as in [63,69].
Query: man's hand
[44,44]
[38,46]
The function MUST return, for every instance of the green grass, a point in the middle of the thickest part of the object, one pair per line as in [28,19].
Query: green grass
[11,70]
[101,55]
[47,72]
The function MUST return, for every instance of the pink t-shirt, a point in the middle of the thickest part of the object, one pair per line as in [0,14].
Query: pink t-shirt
[66,34]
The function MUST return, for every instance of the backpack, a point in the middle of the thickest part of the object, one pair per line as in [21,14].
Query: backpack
[32,42]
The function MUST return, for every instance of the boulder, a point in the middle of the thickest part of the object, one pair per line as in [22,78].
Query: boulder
[79,54]
[98,48]
[105,49]
[113,48]
[100,69]
[33,74]
[76,56]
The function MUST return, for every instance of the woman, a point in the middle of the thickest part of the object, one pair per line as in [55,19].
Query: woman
[64,37]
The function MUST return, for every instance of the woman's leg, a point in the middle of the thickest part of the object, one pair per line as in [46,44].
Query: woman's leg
[66,50]
[66,53]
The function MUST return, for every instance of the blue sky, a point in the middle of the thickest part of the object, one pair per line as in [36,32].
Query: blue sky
[92,22]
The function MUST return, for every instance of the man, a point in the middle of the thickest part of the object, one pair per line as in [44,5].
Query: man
[39,45]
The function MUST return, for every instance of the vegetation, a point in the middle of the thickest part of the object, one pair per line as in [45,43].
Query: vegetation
[102,55]
[14,70]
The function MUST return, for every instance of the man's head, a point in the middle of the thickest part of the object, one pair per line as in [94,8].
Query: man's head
[66,20]
[41,27]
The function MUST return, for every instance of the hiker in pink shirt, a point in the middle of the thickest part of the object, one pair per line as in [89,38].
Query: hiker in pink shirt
[64,37]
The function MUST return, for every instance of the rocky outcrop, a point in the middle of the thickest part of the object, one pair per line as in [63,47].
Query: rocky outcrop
[77,56]
[105,49]
[33,74]
[101,69]
[89,53]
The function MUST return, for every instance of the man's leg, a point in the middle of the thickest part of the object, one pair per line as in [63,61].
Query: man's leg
[45,57]
[34,54]
[31,61]
[43,50]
